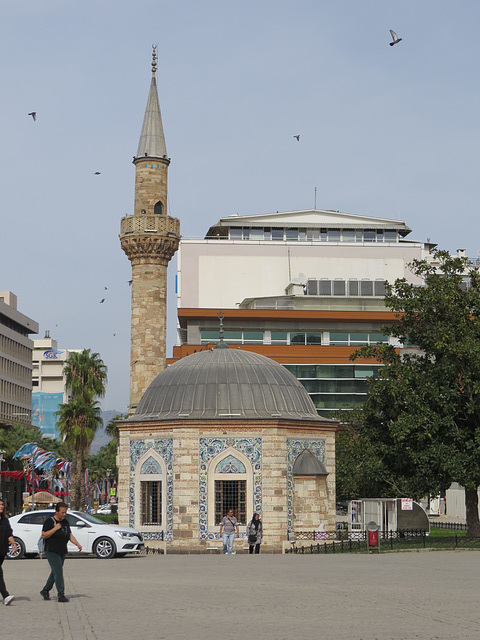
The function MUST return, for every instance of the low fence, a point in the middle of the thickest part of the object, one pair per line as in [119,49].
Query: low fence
[342,533]
[343,542]
[454,526]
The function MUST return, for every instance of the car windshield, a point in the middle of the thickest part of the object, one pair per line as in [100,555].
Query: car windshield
[88,517]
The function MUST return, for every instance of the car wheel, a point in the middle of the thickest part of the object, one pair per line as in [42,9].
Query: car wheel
[104,548]
[20,550]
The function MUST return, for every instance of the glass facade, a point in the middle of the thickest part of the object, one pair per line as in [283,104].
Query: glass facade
[334,388]
[337,338]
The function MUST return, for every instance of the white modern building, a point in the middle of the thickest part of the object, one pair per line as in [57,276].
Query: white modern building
[305,288]
[244,260]
[48,383]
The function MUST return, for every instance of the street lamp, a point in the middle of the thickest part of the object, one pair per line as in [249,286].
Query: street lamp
[2,459]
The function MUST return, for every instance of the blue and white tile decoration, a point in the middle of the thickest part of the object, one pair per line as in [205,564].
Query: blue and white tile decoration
[151,466]
[294,449]
[230,465]
[163,448]
[211,447]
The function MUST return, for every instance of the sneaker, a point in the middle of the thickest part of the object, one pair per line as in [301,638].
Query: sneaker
[8,600]
[45,595]
[63,599]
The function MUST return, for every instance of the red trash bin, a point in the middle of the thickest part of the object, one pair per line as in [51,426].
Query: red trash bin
[373,538]
[373,541]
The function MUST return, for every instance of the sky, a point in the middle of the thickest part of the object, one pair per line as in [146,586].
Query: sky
[384,131]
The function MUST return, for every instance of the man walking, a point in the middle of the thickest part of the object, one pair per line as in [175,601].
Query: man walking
[228,526]
[56,533]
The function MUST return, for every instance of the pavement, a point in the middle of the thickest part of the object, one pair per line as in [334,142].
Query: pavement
[392,596]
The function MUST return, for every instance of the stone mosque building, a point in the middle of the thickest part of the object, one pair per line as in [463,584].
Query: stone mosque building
[219,428]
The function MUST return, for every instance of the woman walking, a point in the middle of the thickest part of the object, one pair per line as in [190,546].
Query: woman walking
[6,537]
[254,532]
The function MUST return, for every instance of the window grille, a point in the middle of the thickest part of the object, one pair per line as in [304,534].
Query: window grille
[151,509]
[230,494]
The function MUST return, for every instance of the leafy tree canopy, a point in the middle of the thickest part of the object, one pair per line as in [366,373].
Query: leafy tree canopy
[419,430]
[105,459]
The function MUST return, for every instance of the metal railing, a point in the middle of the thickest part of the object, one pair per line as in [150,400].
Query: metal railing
[341,541]
[454,526]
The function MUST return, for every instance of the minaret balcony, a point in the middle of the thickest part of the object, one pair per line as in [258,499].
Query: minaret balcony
[155,224]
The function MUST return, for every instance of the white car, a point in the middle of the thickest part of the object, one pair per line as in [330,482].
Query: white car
[104,540]
[106,509]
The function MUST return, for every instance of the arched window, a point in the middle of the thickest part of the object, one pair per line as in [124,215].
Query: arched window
[151,491]
[230,487]
[158,209]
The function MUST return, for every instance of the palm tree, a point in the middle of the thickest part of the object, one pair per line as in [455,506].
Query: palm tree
[78,422]
[85,379]
[85,375]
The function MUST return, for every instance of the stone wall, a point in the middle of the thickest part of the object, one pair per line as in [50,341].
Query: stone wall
[191,452]
[151,183]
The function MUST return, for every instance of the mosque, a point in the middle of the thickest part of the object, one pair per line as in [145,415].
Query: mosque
[221,428]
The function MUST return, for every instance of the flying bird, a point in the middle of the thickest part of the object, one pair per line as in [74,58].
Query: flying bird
[97,173]
[395,38]
[130,282]
[105,288]
[33,114]
[297,137]
[102,300]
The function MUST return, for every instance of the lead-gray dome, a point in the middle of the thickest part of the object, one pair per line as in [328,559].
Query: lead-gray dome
[225,384]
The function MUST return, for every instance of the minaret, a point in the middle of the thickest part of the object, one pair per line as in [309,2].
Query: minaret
[150,238]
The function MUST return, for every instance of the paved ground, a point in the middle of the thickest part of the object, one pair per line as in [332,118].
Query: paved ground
[270,597]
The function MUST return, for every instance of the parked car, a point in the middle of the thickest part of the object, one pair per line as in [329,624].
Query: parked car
[106,509]
[104,540]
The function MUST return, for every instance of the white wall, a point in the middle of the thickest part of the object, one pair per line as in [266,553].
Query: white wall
[223,273]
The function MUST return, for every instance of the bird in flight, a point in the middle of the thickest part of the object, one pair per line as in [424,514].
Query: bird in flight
[33,114]
[297,137]
[395,38]
[102,300]
[97,173]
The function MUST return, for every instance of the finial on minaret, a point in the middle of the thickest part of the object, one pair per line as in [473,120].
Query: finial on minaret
[154,58]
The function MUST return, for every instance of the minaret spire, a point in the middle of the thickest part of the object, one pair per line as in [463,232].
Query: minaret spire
[152,139]
[150,238]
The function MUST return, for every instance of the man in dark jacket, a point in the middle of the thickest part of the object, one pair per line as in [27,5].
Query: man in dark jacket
[56,533]
[6,537]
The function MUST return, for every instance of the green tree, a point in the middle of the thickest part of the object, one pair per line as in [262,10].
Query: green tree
[419,429]
[85,375]
[106,458]
[112,427]
[79,418]
[78,422]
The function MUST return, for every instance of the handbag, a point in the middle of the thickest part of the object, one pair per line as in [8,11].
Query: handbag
[41,543]
[252,539]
